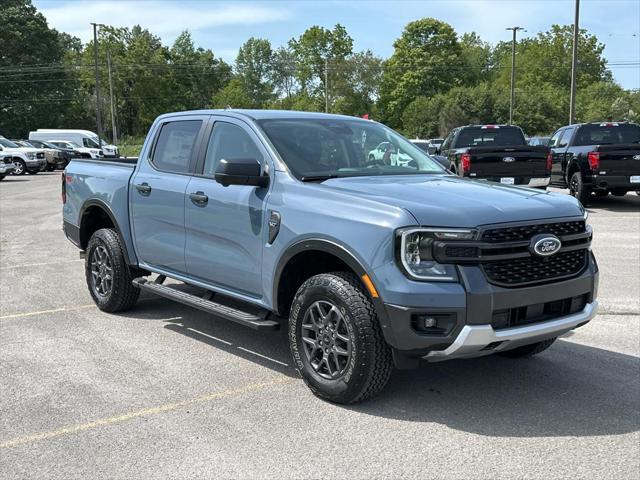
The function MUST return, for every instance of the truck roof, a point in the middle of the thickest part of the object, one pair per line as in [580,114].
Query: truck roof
[264,114]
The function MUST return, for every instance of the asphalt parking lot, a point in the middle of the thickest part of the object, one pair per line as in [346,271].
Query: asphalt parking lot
[167,391]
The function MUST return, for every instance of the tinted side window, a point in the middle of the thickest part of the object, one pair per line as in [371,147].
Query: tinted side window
[555,140]
[229,141]
[566,137]
[175,145]
[447,142]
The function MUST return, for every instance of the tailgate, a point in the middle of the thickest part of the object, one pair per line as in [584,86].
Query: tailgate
[521,161]
[620,159]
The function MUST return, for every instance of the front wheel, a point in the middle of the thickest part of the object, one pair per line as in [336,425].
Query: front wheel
[19,167]
[108,276]
[578,189]
[528,350]
[336,341]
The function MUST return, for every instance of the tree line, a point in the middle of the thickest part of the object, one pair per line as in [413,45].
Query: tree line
[435,79]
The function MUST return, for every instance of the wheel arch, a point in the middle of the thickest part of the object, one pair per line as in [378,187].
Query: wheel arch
[94,215]
[310,257]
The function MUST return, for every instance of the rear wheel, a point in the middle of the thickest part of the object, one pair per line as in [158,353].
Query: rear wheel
[578,189]
[336,341]
[108,276]
[528,350]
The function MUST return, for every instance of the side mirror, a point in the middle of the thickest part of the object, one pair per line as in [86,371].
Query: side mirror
[240,171]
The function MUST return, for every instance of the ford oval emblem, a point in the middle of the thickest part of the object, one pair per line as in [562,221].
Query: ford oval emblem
[508,159]
[545,245]
[636,157]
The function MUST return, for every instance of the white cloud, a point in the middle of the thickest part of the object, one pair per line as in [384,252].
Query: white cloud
[164,19]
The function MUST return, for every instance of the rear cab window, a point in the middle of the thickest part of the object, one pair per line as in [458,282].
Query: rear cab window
[174,149]
[607,134]
[487,136]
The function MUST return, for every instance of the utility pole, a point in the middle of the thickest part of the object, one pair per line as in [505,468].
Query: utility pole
[513,72]
[113,112]
[574,62]
[98,112]
[326,85]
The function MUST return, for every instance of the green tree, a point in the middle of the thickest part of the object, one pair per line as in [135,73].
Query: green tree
[427,60]
[316,49]
[33,83]
[356,84]
[254,66]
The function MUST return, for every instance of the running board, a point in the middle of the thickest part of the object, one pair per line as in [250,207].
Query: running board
[257,321]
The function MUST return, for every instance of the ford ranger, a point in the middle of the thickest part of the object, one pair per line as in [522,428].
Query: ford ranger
[597,159]
[270,218]
[497,153]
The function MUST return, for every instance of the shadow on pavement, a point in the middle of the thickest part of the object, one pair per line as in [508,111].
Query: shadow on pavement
[629,203]
[569,390]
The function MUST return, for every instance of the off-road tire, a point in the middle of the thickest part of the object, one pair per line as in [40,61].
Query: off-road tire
[528,350]
[578,189]
[370,364]
[123,295]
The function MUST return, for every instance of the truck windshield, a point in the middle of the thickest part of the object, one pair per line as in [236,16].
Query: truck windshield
[489,136]
[608,134]
[317,149]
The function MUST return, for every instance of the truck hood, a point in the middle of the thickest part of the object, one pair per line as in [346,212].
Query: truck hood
[450,201]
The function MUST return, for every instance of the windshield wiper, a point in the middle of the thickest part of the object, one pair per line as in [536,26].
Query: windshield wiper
[318,178]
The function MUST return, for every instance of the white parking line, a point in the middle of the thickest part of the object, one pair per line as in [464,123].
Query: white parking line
[39,264]
[42,312]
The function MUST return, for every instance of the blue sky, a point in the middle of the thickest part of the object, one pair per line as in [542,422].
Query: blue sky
[224,26]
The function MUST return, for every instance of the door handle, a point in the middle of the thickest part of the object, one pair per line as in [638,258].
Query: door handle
[143,188]
[199,198]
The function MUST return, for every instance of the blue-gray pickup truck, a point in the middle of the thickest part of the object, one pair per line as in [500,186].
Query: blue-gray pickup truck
[270,218]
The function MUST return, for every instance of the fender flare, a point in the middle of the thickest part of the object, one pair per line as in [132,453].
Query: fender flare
[341,252]
[94,202]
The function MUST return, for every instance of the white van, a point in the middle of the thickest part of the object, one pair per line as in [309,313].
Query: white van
[84,138]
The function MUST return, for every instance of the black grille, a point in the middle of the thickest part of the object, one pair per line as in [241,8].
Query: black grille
[462,252]
[525,232]
[529,270]
[7,160]
[538,312]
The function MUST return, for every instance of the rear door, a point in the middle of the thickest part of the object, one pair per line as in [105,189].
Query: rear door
[225,225]
[157,193]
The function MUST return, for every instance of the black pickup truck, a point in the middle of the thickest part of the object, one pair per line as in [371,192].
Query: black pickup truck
[497,153]
[597,158]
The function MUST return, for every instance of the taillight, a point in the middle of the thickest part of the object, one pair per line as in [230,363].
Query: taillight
[549,161]
[594,160]
[64,188]
[465,162]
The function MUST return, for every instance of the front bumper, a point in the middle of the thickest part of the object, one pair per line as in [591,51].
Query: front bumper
[6,168]
[518,181]
[478,309]
[478,340]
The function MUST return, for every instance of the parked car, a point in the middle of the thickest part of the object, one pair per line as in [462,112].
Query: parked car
[277,218]
[24,159]
[436,142]
[424,145]
[84,138]
[54,156]
[539,141]
[498,153]
[597,158]
[6,165]
[82,151]
[386,153]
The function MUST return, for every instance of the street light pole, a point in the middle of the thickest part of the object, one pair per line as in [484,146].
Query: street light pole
[574,61]
[95,55]
[114,133]
[513,72]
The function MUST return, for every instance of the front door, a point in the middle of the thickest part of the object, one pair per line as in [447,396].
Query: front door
[157,194]
[225,225]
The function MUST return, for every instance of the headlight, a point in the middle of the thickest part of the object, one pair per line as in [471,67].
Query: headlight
[416,252]
[31,155]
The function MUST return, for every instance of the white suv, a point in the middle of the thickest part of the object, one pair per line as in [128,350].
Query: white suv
[24,159]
